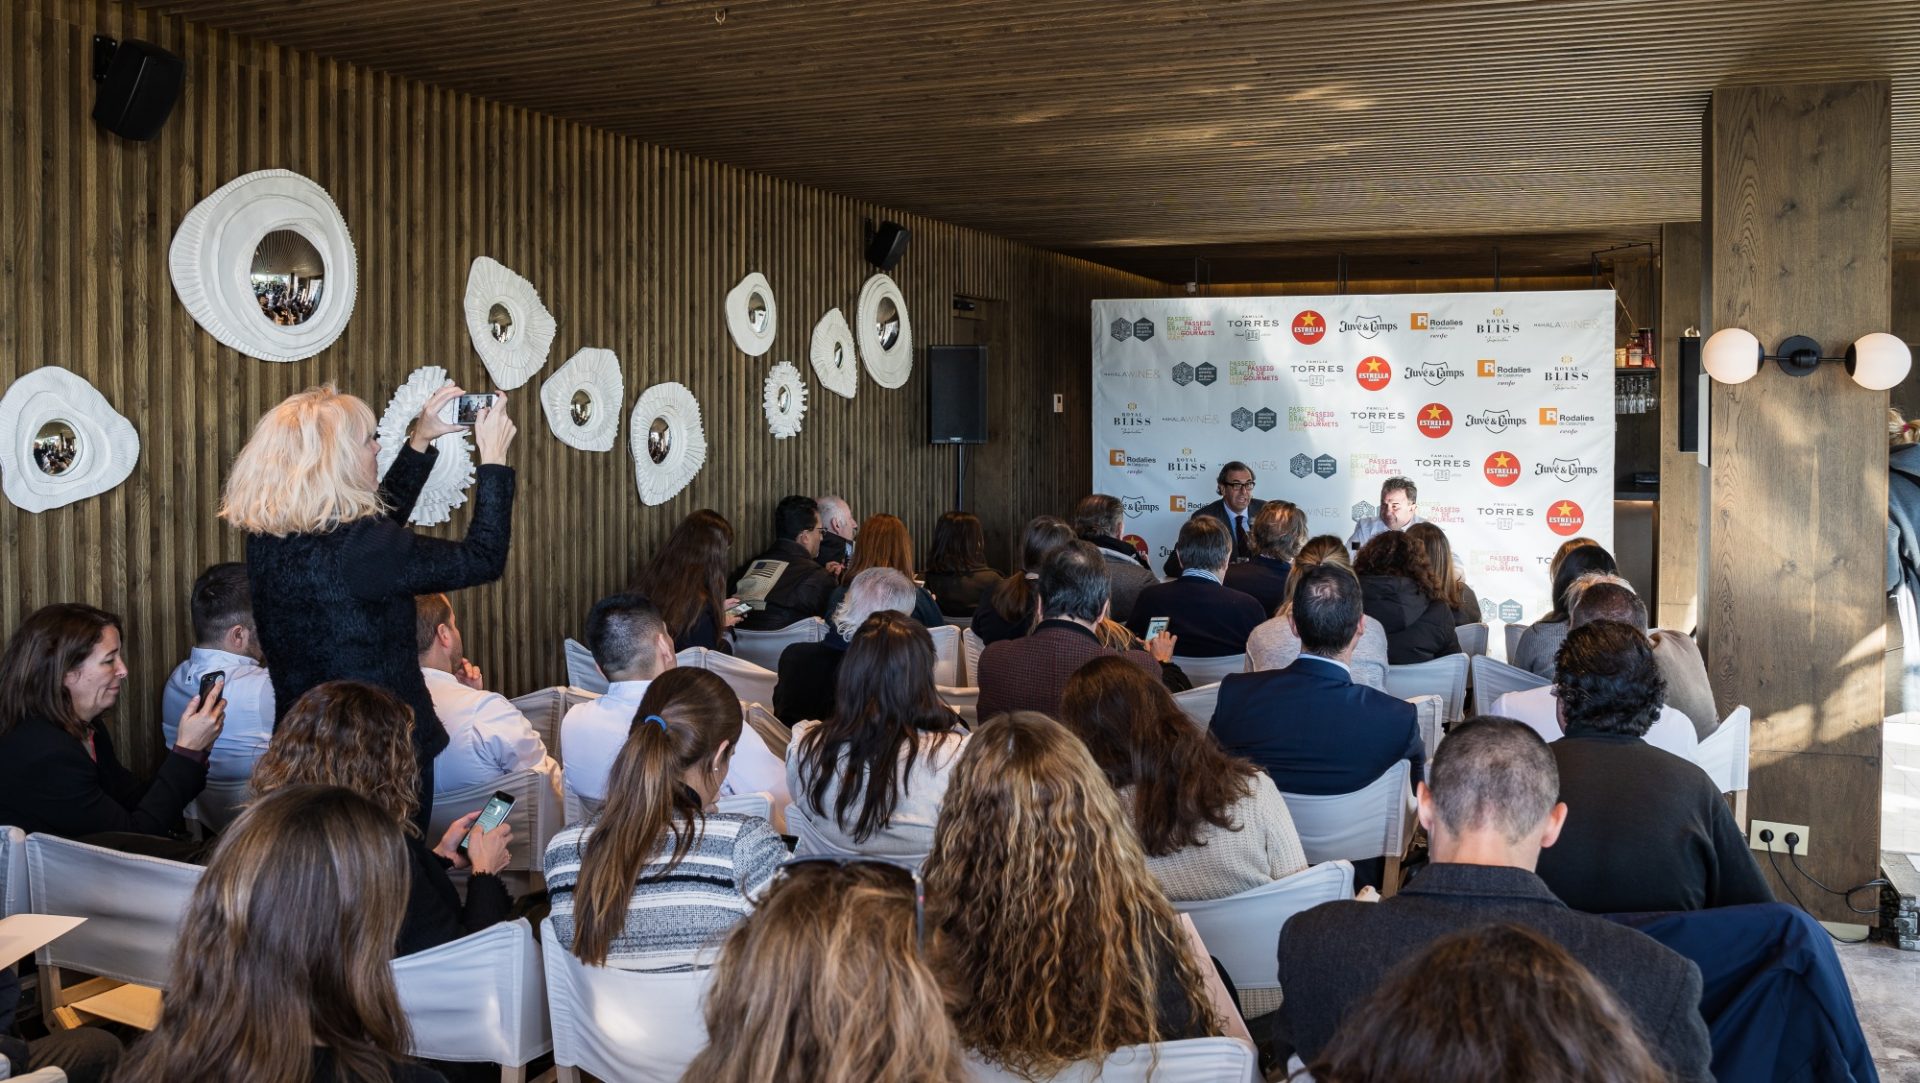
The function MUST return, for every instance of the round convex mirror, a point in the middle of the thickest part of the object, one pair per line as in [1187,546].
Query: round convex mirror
[659,440]
[888,323]
[500,323]
[783,398]
[288,277]
[582,408]
[839,356]
[757,312]
[56,447]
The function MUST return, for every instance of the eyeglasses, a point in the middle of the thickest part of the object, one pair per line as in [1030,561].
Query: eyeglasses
[1248,484]
[919,887]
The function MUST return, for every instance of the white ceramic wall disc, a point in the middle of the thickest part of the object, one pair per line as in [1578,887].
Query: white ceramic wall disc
[669,446]
[453,471]
[61,441]
[784,398]
[511,330]
[582,400]
[886,334]
[835,358]
[752,315]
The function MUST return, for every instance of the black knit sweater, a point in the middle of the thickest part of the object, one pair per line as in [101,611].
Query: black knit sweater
[339,605]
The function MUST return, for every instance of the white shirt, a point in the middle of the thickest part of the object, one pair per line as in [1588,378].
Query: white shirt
[591,735]
[754,768]
[1329,661]
[1539,708]
[249,724]
[487,736]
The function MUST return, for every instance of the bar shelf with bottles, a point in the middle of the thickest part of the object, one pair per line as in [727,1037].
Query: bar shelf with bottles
[1636,380]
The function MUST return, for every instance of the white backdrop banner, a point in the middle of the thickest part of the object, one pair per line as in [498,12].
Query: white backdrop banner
[1499,406]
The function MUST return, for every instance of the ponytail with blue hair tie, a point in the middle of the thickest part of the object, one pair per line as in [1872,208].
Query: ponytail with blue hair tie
[658,721]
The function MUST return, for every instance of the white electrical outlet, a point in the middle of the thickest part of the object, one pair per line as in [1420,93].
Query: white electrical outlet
[1059,404]
[1779,843]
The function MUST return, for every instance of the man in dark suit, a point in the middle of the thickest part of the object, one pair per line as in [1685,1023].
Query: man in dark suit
[786,583]
[1489,809]
[1212,620]
[1234,510]
[1279,530]
[1309,725]
[1029,673]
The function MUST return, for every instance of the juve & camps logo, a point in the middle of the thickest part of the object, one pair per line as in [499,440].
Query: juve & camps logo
[1503,516]
[1495,420]
[1496,326]
[1137,506]
[1253,325]
[1434,326]
[1179,327]
[1304,465]
[1185,466]
[1374,373]
[1309,327]
[1568,470]
[1368,326]
[1252,372]
[1141,329]
[1565,518]
[1378,422]
[1435,420]
[1565,372]
[1443,468]
[1502,468]
[1302,418]
[1131,419]
[1433,372]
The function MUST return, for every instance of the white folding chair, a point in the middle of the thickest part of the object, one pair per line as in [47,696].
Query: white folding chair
[971,645]
[751,682]
[1513,634]
[1473,638]
[481,999]
[133,905]
[582,670]
[537,816]
[964,701]
[763,648]
[1723,755]
[808,842]
[746,804]
[948,663]
[219,803]
[1210,670]
[1373,821]
[13,871]
[545,708]
[1493,678]
[1445,677]
[1427,715]
[1242,931]
[1198,702]
[1192,1060]
[621,1025]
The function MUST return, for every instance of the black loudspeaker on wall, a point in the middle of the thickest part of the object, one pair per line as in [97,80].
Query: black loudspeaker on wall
[1689,393]
[139,83]
[886,244]
[957,394]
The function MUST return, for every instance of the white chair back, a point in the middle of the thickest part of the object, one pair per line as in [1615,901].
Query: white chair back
[971,646]
[537,814]
[1427,715]
[621,1024]
[1445,677]
[949,663]
[1513,633]
[1210,670]
[962,623]
[1241,931]
[808,842]
[1473,638]
[1373,821]
[752,683]
[1198,702]
[746,804]
[1193,1060]
[219,802]
[545,708]
[133,905]
[1493,678]
[763,648]
[964,701]
[480,999]
[1724,757]
[582,670]
[13,871]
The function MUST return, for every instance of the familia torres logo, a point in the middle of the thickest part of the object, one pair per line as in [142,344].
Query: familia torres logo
[1434,420]
[1141,329]
[1443,467]
[1502,468]
[1253,326]
[1374,373]
[1565,518]
[1309,327]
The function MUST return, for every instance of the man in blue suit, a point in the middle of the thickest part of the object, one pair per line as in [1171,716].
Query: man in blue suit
[1211,619]
[1234,510]
[1309,725]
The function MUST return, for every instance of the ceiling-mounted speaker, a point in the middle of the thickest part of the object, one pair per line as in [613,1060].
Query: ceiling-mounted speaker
[139,84]
[886,244]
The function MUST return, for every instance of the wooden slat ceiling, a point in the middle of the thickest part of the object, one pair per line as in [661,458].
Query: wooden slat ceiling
[1172,126]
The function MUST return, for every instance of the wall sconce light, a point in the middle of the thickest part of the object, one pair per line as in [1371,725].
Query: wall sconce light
[1876,362]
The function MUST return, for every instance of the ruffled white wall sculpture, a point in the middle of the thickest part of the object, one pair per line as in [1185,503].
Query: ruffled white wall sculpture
[886,334]
[784,398]
[835,361]
[752,315]
[669,445]
[61,441]
[582,400]
[284,312]
[453,471]
[511,330]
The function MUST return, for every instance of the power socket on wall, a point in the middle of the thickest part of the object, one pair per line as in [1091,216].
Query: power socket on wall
[1779,844]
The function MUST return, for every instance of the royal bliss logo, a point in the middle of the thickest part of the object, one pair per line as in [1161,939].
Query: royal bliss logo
[1502,468]
[1179,327]
[1185,466]
[1123,330]
[1368,326]
[1434,420]
[1131,419]
[1567,470]
[1496,326]
[1309,327]
[1433,372]
[1374,373]
[1565,372]
[1503,516]
[1252,372]
[1565,518]
[1137,506]
[1302,418]
[1495,421]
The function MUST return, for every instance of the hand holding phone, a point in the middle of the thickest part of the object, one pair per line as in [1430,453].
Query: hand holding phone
[207,683]
[1157,626]
[466,409]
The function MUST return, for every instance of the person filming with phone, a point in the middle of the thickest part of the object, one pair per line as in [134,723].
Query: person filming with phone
[333,567]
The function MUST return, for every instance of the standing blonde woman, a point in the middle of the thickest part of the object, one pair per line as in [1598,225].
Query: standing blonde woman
[333,567]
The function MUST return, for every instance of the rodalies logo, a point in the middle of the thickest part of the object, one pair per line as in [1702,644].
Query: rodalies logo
[1374,373]
[1309,327]
[1302,418]
[1179,327]
[1137,506]
[1433,372]
[1435,420]
[1565,518]
[1495,421]
[1502,468]
[1368,326]
[1550,415]
[1133,464]
[1568,470]
[1502,375]
[1434,326]
[1141,329]
[1176,502]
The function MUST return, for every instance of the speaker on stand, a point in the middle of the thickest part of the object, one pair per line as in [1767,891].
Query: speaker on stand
[957,405]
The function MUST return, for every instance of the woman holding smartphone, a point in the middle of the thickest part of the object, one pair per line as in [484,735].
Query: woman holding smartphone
[334,569]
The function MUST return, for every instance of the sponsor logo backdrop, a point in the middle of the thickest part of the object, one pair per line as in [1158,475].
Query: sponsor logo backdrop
[1499,406]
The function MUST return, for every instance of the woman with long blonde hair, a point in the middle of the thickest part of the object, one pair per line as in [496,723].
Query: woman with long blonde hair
[885,543]
[1275,644]
[332,566]
[1054,940]
[281,972]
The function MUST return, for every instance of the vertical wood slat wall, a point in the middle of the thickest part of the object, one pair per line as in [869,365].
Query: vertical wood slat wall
[632,247]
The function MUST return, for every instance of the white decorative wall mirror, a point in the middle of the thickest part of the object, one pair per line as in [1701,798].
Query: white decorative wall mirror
[511,330]
[752,315]
[582,400]
[835,362]
[266,266]
[453,472]
[61,441]
[668,444]
[886,334]
[784,398]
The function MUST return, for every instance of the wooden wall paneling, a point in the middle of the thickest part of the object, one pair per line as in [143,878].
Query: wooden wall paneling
[1677,605]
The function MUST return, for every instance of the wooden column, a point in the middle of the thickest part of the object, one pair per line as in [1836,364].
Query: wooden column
[1678,593]
[1797,202]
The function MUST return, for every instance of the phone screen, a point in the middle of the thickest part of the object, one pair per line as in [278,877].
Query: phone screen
[1156,626]
[491,816]
[467,410]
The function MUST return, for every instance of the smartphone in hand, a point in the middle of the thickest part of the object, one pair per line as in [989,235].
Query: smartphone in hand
[207,681]
[1156,626]
[466,410]
[491,816]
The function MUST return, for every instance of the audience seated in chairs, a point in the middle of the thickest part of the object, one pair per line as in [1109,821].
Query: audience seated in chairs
[1447,571]
[352,734]
[958,575]
[1274,645]
[885,543]
[281,971]
[1211,825]
[1029,673]
[1279,530]
[631,645]
[487,737]
[809,672]
[1500,1002]
[1098,520]
[1488,810]
[1053,938]
[1013,608]
[61,670]
[687,581]
[870,779]
[1210,619]
[224,642]
[787,583]
[1406,595]
[1599,597]
[656,875]
[826,981]
[1576,557]
[1646,829]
